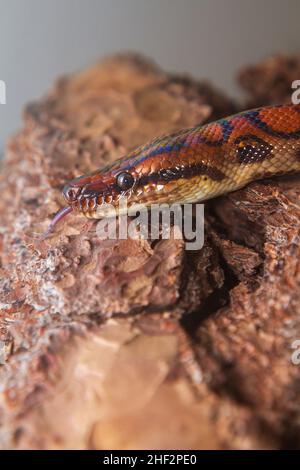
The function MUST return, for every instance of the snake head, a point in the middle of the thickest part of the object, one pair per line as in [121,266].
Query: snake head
[123,188]
[153,174]
[99,194]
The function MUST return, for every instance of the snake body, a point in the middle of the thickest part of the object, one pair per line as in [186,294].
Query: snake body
[194,164]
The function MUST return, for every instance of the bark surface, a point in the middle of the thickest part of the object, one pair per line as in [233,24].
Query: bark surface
[138,344]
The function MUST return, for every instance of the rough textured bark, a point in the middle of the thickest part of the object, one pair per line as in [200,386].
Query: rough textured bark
[136,344]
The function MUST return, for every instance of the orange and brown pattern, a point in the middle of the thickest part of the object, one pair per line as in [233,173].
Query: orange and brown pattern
[195,164]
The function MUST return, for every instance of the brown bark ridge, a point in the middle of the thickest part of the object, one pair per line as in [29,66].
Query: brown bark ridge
[138,344]
[271,80]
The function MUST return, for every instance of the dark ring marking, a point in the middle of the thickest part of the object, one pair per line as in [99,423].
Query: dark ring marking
[227,129]
[252,149]
[253,118]
[173,174]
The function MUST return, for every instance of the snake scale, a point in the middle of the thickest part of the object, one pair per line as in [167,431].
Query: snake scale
[194,164]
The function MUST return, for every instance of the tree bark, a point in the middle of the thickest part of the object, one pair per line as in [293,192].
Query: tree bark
[134,344]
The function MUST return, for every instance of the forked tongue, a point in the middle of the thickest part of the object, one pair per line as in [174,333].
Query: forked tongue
[59,216]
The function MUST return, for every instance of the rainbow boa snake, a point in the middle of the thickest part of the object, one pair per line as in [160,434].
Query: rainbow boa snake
[195,164]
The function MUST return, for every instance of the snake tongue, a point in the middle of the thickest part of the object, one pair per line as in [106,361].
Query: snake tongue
[59,216]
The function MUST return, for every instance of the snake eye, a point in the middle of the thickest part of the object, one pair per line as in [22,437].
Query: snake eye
[125,180]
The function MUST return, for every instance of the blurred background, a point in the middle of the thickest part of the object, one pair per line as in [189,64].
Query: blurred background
[42,39]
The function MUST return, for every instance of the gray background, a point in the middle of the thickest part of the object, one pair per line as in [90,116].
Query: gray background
[41,39]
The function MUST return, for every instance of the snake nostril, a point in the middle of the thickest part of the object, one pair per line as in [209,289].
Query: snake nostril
[71,193]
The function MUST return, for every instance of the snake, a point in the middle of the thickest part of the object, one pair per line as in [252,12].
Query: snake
[192,165]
